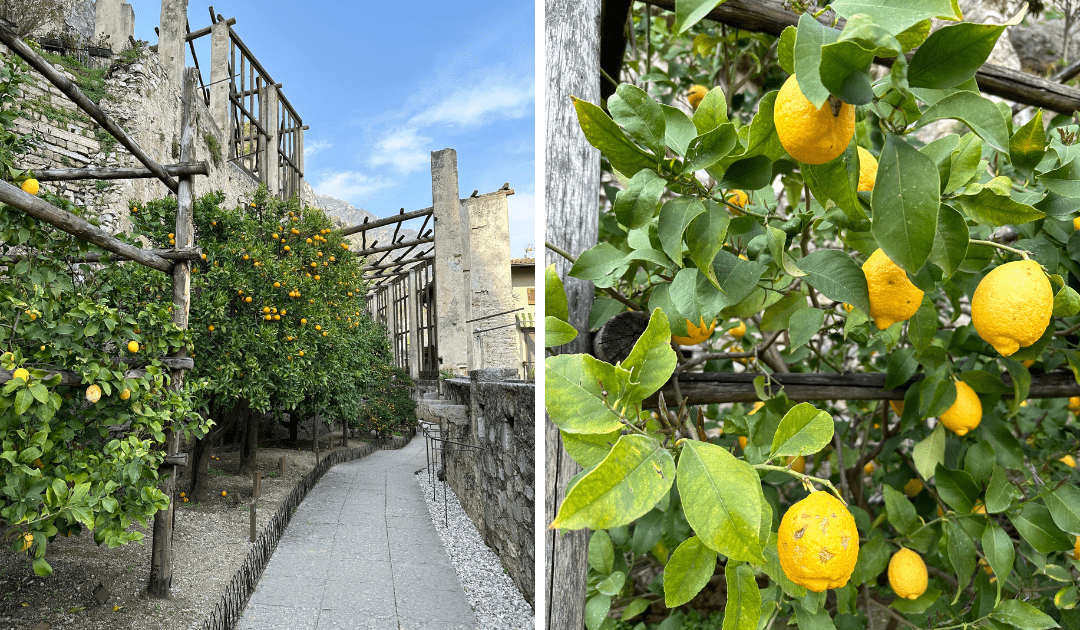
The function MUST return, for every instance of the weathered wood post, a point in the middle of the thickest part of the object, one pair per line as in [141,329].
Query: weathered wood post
[451,261]
[281,467]
[161,556]
[412,306]
[572,187]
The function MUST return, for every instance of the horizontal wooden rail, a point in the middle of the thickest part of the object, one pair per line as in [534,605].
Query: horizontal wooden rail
[185,253]
[388,248]
[251,118]
[421,258]
[75,94]
[397,218]
[699,388]
[202,32]
[66,174]
[73,378]
[769,16]
[255,92]
[77,226]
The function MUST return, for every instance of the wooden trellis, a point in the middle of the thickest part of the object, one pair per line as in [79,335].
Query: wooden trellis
[160,579]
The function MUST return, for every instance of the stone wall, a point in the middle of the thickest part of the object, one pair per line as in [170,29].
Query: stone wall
[140,98]
[495,485]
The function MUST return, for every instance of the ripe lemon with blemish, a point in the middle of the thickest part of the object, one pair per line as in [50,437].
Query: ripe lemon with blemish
[1068,460]
[907,574]
[812,135]
[1012,305]
[93,393]
[966,411]
[893,298]
[124,395]
[818,542]
[798,464]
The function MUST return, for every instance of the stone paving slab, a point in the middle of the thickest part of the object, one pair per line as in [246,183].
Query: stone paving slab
[360,553]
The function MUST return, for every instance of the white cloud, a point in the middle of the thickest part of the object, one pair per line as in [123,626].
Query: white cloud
[404,149]
[493,98]
[350,185]
[315,147]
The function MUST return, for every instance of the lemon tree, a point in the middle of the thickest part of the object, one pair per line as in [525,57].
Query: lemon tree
[805,203]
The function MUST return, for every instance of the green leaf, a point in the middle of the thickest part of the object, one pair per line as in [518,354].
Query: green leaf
[785,50]
[690,12]
[978,113]
[966,159]
[999,552]
[738,278]
[804,430]
[902,366]
[23,400]
[651,362]
[749,173]
[961,553]
[989,208]
[844,67]
[930,452]
[741,610]
[1028,144]
[554,295]
[873,559]
[632,478]
[761,138]
[679,129]
[602,133]
[803,325]
[1063,180]
[923,325]
[589,449]
[639,115]
[1036,526]
[956,488]
[950,241]
[557,332]
[635,608]
[905,202]
[710,147]
[40,392]
[573,400]
[952,55]
[598,262]
[675,216]
[1066,302]
[705,237]
[1064,505]
[1000,492]
[711,111]
[636,205]
[695,296]
[837,180]
[42,568]
[778,314]
[596,611]
[811,37]
[613,584]
[914,35]
[919,605]
[722,500]
[837,276]
[688,571]
[816,619]
[897,17]
[1018,614]
[601,552]
[901,512]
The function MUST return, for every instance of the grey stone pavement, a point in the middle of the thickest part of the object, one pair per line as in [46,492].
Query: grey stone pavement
[361,553]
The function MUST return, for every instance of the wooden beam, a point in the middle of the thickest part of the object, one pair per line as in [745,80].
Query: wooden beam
[769,16]
[386,248]
[66,174]
[397,218]
[202,32]
[419,258]
[700,388]
[77,226]
[75,94]
[187,253]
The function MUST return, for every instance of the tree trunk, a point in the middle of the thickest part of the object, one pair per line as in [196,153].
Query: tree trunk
[200,460]
[572,182]
[294,427]
[250,441]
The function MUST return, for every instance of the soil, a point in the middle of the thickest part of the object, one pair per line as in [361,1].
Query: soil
[210,543]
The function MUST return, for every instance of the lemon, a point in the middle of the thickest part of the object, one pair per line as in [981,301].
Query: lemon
[913,487]
[818,542]
[892,296]
[897,407]
[210,328]
[695,334]
[28,541]
[798,464]
[1076,223]
[869,468]
[93,393]
[21,373]
[1076,549]
[736,331]
[965,412]
[1068,460]
[1074,404]
[133,347]
[811,135]
[1011,306]
[124,395]
[31,186]
[737,198]
[695,95]
[907,574]
[742,442]
[222,493]
[867,170]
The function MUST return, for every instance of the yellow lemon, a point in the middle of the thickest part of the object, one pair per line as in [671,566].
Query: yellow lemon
[21,373]
[869,468]
[893,298]
[818,542]
[222,493]
[124,395]
[867,170]
[811,135]
[1076,223]
[28,541]
[1074,404]
[798,464]
[736,331]
[695,334]
[913,487]
[1011,306]
[897,407]
[907,573]
[1076,549]
[30,186]
[133,347]
[695,95]
[737,198]
[1068,460]
[965,412]
[93,393]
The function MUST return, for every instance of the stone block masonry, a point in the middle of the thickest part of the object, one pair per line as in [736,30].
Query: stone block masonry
[496,484]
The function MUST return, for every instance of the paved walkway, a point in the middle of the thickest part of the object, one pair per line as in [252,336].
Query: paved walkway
[361,553]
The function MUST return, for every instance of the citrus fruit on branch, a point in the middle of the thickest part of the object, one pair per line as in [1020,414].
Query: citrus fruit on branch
[1012,305]
[812,135]
[818,542]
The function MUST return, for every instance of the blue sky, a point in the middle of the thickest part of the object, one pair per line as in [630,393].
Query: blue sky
[383,84]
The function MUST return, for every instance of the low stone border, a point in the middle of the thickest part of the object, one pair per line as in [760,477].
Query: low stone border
[228,611]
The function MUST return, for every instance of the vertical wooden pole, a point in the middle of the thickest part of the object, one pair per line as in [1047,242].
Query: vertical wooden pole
[161,556]
[344,433]
[281,467]
[254,507]
[256,484]
[315,437]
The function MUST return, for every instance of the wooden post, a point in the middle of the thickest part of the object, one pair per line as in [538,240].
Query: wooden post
[281,467]
[256,484]
[254,507]
[315,437]
[344,433]
[572,187]
[161,556]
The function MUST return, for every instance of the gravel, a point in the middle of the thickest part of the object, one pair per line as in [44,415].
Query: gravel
[496,600]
